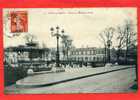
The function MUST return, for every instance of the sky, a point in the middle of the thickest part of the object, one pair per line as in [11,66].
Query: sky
[83,25]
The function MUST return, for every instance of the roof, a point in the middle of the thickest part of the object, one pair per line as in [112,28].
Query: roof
[25,49]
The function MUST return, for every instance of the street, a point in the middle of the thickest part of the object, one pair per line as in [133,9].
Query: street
[112,82]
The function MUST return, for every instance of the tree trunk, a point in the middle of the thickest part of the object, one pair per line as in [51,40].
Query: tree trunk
[118,55]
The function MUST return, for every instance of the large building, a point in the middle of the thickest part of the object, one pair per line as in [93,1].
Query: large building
[89,54]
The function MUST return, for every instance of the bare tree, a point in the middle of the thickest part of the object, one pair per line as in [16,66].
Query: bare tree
[106,37]
[126,38]
[121,40]
[103,40]
[67,44]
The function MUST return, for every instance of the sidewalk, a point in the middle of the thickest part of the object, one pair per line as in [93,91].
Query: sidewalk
[69,75]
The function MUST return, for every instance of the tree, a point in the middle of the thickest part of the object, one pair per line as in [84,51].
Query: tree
[106,37]
[121,41]
[66,45]
[102,39]
[126,38]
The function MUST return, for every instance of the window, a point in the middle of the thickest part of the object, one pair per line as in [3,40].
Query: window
[85,52]
[90,52]
[82,52]
[79,52]
[89,58]
[97,58]
[95,52]
[103,51]
[86,58]
[93,58]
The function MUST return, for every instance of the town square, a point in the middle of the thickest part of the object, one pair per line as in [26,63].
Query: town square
[70,50]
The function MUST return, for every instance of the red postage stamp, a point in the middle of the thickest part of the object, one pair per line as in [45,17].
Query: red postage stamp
[19,21]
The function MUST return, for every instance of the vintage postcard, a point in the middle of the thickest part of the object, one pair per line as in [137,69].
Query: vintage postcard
[70,50]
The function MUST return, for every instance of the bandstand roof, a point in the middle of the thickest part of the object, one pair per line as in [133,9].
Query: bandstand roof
[26,49]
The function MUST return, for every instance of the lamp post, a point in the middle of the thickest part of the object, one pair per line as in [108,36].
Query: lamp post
[109,43]
[56,32]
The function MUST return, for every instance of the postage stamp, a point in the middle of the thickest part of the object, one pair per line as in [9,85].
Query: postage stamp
[15,23]
[19,22]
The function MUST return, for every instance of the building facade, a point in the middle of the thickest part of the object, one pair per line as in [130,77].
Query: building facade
[90,54]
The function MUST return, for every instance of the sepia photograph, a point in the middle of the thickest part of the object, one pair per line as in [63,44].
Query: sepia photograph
[70,50]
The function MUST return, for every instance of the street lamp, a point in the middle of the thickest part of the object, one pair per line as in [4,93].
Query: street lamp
[56,32]
[109,43]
